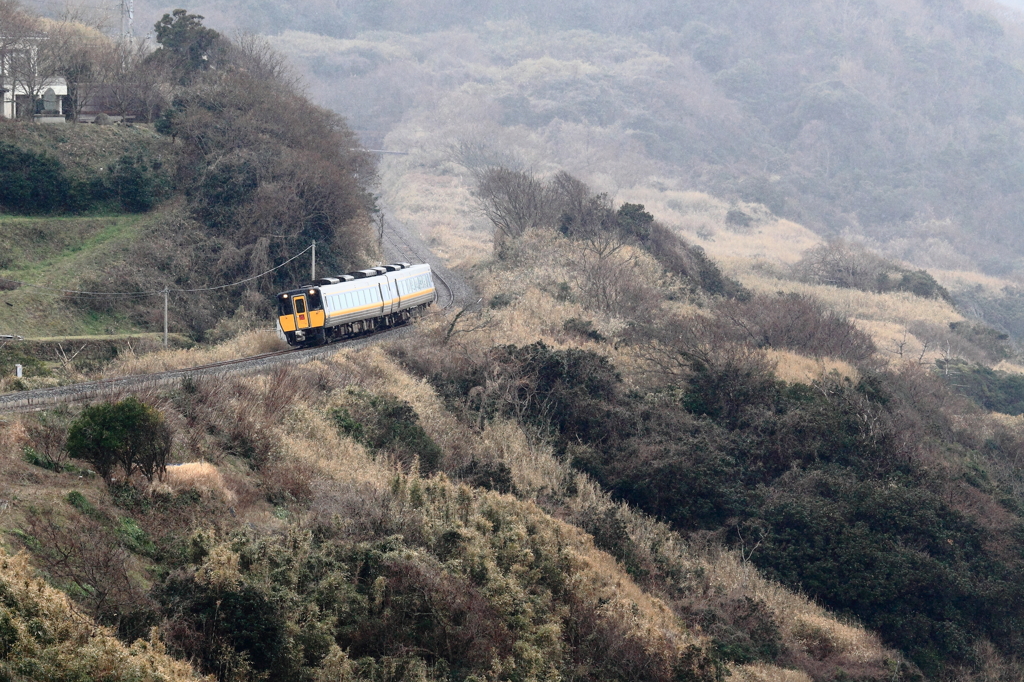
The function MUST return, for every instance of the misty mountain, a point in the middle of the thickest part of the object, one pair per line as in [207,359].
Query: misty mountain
[897,121]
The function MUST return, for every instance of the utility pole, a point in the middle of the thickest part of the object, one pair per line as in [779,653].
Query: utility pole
[165,317]
[313,280]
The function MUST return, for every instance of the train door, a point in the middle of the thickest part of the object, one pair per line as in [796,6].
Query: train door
[395,303]
[301,314]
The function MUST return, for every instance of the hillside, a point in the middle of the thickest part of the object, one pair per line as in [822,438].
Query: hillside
[728,406]
[394,509]
[226,173]
[690,422]
[890,122]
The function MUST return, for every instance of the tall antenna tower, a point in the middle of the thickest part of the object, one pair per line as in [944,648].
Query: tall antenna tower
[127,19]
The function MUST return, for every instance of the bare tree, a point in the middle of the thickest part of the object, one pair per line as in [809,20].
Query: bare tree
[78,51]
[23,65]
[514,202]
[132,81]
[255,54]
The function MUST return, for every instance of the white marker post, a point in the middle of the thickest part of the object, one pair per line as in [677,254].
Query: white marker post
[17,371]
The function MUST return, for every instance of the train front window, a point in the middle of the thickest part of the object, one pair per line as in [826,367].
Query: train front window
[300,306]
[284,305]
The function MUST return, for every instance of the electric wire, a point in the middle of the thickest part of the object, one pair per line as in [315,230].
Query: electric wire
[75,293]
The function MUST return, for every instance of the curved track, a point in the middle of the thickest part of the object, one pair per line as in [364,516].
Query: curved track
[43,398]
[402,245]
[399,244]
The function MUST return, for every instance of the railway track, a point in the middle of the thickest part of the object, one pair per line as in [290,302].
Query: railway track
[401,247]
[400,244]
[45,398]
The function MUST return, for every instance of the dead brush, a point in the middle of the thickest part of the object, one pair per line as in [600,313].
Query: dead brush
[250,343]
[201,477]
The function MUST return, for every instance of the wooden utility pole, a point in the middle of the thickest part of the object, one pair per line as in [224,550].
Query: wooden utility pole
[165,316]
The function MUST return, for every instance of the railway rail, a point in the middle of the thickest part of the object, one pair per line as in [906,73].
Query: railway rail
[402,245]
[45,398]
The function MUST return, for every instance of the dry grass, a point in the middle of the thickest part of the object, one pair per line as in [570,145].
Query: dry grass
[761,672]
[202,477]
[960,280]
[1009,367]
[701,219]
[62,644]
[243,345]
[447,216]
[804,625]
[897,306]
[779,241]
[793,367]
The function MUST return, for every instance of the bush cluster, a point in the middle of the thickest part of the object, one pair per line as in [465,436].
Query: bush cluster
[454,584]
[128,434]
[515,202]
[826,487]
[36,183]
[389,425]
[852,266]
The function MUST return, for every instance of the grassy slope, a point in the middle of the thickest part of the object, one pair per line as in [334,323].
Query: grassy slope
[49,253]
[86,149]
[61,251]
[321,481]
[905,328]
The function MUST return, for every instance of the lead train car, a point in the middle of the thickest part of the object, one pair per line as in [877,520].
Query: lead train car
[338,307]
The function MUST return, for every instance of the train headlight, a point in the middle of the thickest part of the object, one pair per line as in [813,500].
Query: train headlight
[312,291]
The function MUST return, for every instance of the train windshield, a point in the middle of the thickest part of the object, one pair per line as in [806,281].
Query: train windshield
[284,305]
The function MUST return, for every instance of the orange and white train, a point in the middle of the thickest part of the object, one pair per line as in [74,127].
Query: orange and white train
[339,307]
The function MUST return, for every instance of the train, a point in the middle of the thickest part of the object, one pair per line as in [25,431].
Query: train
[335,308]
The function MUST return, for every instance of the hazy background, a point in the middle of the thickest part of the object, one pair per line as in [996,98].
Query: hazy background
[898,122]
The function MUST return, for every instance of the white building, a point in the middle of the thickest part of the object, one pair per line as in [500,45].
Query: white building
[24,85]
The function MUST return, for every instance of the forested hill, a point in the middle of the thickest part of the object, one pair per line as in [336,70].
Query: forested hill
[896,120]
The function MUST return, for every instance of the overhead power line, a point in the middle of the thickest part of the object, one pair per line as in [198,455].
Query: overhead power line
[76,293]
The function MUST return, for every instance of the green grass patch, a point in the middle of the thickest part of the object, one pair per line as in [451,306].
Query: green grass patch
[49,253]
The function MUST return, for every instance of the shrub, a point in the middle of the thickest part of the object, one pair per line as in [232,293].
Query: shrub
[31,182]
[796,322]
[136,182]
[49,433]
[992,389]
[852,266]
[390,424]
[582,328]
[129,434]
